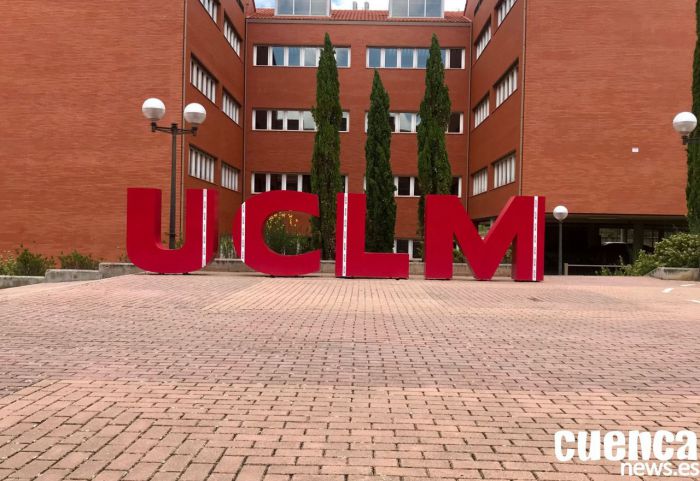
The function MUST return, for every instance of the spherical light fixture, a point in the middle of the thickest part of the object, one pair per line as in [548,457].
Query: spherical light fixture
[684,123]
[560,213]
[153,109]
[195,114]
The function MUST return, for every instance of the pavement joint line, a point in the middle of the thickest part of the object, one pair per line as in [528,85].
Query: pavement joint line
[324,379]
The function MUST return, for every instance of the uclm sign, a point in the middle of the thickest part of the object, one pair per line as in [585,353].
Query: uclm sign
[520,224]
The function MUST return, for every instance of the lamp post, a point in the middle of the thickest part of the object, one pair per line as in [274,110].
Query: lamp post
[195,114]
[560,213]
[684,123]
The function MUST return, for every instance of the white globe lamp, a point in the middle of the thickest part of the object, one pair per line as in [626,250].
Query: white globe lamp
[195,114]
[684,123]
[560,213]
[153,109]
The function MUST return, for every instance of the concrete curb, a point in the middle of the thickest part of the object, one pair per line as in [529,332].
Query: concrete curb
[114,269]
[71,275]
[676,273]
[327,267]
[7,282]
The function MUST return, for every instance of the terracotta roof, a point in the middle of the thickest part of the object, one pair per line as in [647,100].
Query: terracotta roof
[359,16]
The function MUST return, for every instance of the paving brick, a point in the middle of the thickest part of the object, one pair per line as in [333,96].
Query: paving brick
[328,379]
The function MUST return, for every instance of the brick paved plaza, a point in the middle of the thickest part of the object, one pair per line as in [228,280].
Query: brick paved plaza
[250,378]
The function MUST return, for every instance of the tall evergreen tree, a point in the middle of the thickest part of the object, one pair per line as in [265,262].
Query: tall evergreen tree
[434,172]
[693,187]
[381,205]
[325,163]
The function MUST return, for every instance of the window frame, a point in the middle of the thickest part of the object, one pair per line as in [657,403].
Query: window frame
[502,13]
[505,169]
[194,61]
[234,174]
[478,175]
[216,6]
[461,124]
[503,84]
[392,9]
[237,106]
[477,114]
[414,57]
[295,14]
[302,55]
[271,112]
[285,176]
[193,172]
[479,49]
[228,25]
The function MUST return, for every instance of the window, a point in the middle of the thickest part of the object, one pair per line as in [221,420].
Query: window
[455,59]
[265,182]
[232,36]
[291,120]
[415,8]
[302,7]
[414,248]
[391,57]
[484,39]
[230,107]
[507,85]
[422,55]
[408,122]
[202,80]
[406,187]
[229,177]
[454,126]
[503,8]
[403,122]
[342,57]
[480,182]
[456,186]
[212,8]
[295,56]
[504,171]
[481,112]
[201,165]
[261,55]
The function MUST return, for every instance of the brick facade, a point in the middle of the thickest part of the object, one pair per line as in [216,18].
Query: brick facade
[595,81]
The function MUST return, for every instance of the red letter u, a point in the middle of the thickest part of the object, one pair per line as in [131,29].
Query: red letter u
[143,236]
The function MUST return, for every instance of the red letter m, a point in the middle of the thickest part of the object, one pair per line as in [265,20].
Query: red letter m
[520,224]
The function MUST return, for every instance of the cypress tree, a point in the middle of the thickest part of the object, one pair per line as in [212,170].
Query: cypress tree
[325,163]
[381,206]
[434,172]
[692,191]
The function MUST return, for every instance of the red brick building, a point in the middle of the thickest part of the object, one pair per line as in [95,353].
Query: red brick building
[279,88]
[587,120]
[568,100]
[73,135]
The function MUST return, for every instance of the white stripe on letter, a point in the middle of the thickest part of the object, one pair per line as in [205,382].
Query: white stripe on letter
[535,214]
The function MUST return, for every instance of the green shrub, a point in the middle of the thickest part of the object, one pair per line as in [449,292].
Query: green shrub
[8,265]
[28,263]
[678,250]
[458,257]
[226,247]
[282,235]
[76,260]
[642,265]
